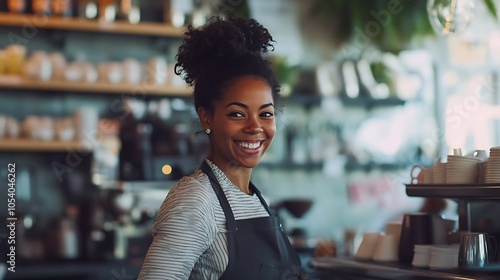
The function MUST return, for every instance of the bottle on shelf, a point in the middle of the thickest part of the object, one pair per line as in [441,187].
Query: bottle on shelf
[68,246]
[87,9]
[131,153]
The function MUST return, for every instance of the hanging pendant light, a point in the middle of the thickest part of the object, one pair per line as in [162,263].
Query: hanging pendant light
[450,16]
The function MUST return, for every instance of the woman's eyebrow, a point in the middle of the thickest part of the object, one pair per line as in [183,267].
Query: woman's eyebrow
[246,106]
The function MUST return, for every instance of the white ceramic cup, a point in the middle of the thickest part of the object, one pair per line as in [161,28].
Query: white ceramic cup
[481,154]
[366,249]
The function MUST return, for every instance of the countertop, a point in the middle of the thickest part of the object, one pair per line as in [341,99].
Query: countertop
[353,269]
[124,270]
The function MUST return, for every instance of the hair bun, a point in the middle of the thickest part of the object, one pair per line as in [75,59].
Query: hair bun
[218,41]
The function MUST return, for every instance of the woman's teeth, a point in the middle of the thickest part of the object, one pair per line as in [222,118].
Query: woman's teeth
[249,145]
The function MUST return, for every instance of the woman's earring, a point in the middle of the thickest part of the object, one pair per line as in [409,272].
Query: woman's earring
[207,131]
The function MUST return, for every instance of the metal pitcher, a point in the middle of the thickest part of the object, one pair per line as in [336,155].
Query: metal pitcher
[476,251]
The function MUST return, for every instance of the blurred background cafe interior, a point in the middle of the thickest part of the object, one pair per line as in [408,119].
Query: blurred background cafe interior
[380,96]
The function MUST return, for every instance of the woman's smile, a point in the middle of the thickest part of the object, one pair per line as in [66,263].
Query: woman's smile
[250,147]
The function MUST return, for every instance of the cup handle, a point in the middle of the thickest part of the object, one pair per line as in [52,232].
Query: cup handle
[414,177]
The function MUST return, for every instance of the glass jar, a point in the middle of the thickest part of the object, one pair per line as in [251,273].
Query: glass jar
[130,11]
[87,9]
[16,6]
[62,8]
[15,56]
[107,10]
[42,7]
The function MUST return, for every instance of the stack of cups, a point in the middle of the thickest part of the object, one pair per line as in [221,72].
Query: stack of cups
[444,257]
[422,255]
[492,170]
[436,256]
[462,169]
[439,173]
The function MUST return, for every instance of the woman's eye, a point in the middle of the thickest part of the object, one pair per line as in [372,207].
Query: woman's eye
[236,114]
[267,114]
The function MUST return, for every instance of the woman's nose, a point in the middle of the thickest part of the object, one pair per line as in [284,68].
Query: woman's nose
[254,126]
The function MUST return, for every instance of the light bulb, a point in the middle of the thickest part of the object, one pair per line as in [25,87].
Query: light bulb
[450,16]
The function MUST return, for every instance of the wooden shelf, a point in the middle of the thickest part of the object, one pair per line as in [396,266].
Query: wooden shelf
[30,145]
[105,88]
[77,24]
[472,192]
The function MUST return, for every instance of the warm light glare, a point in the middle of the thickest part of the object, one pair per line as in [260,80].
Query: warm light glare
[166,169]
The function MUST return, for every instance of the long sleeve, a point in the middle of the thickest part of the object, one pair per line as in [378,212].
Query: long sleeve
[184,228]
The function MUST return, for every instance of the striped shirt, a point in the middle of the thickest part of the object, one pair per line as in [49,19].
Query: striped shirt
[189,234]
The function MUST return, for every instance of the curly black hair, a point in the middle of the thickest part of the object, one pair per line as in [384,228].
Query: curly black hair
[214,55]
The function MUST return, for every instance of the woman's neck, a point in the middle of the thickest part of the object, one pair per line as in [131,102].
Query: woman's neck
[238,175]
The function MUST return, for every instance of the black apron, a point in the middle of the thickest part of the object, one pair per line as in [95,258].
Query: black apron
[257,248]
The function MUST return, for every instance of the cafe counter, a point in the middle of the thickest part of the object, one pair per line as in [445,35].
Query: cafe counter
[76,271]
[347,268]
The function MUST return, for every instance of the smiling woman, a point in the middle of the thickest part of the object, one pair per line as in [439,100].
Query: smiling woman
[242,127]
[214,224]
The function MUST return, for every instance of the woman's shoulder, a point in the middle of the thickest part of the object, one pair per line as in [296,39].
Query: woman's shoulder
[196,183]
[190,196]
[193,191]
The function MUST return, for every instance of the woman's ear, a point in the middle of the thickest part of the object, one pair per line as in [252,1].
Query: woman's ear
[204,116]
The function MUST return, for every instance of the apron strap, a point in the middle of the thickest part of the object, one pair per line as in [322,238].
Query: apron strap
[262,201]
[231,225]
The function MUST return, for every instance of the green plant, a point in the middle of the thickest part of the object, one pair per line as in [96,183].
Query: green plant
[285,72]
[491,8]
[389,24]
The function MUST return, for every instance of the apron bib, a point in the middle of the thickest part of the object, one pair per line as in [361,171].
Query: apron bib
[257,248]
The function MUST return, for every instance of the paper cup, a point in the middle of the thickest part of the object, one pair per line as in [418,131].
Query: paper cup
[386,249]
[368,245]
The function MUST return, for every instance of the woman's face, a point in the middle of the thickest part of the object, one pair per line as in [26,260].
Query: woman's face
[242,124]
